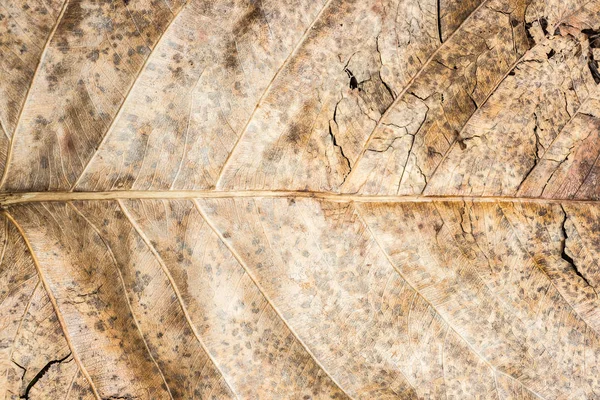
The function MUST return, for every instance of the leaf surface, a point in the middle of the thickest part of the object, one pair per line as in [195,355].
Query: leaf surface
[334,199]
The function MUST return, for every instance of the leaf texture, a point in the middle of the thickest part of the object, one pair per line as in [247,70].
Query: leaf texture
[277,199]
[34,348]
[90,63]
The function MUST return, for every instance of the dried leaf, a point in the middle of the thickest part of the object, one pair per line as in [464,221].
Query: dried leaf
[335,199]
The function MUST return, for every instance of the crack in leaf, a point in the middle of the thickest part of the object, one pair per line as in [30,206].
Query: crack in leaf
[566,257]
[40,374]
[593,36]
[333,138]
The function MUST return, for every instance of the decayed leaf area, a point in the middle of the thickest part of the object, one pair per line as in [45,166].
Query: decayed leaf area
[296,199]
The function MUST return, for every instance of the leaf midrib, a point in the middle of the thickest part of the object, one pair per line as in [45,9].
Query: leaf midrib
[9,198]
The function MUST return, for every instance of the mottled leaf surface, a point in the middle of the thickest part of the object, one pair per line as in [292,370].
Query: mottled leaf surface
[277,199]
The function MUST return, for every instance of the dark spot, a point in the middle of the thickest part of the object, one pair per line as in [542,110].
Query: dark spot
[56,73]
[245,23]
[93,55]
[551,54]
[42,121]
[177,72]
[99,325]
[294,134]
[514,22]
[44,162]
[126,2]
[226,235]
[231,55]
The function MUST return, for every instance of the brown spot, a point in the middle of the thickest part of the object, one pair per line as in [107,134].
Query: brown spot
[57,71]
[93,55]
[245,23]
[40,120]
[294,135]
[231,55]
[99,325]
